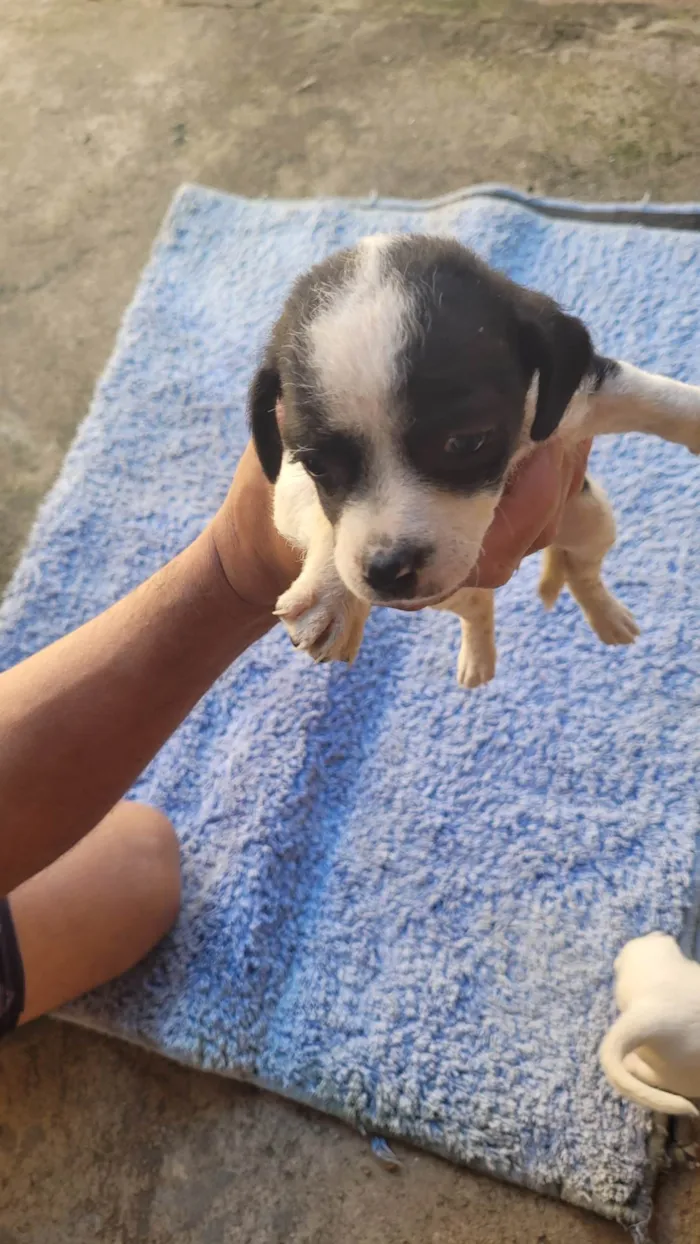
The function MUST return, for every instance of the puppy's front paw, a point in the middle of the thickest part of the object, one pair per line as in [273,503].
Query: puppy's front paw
[328,625]
[476,665]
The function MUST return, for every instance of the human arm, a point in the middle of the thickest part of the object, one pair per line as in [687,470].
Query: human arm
[82,718]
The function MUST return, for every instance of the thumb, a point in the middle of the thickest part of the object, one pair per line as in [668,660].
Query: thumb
[530,501]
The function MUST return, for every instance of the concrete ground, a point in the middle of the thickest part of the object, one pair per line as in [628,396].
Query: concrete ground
[105,107]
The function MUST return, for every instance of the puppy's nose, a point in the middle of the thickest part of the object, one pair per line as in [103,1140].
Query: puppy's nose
[394,574]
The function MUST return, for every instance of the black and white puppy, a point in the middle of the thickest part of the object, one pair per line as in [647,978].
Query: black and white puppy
[403,382]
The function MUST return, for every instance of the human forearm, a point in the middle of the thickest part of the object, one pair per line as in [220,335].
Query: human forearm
[80,720]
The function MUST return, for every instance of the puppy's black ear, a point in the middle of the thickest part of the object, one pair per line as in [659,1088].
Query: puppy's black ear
[558,347]
[262,416]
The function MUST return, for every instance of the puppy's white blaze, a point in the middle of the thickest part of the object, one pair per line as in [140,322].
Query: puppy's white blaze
[375,243]
[355,342]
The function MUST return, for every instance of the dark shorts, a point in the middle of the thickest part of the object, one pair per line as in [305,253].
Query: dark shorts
[11,972]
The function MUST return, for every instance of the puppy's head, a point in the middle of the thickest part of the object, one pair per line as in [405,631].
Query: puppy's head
[406,370]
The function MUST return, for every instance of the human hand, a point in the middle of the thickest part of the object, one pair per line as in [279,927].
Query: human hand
[259,564]
[257,561]
[529,513]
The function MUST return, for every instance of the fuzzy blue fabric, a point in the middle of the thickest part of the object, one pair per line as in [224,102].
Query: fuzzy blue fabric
[402,902]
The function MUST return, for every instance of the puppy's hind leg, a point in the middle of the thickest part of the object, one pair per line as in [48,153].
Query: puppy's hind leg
[586,534]
[477,656]
[553,576]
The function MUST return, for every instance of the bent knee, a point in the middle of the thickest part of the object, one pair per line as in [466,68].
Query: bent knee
[154,855]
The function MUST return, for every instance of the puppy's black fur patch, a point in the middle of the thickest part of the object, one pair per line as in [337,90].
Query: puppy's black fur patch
[337,462]
[286,371]
[477,343]
[603,369]
[558,347]
[460,373]
[264,394]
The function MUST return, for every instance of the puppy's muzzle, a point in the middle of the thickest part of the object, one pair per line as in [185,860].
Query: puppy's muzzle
[392,574]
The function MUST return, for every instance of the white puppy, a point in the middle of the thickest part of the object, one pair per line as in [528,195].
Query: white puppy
[652,1052]
[402,383]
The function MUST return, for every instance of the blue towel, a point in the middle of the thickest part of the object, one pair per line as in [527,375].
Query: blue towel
[402,901]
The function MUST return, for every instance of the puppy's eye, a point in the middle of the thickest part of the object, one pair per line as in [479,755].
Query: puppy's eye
[313,464]
[464,444]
